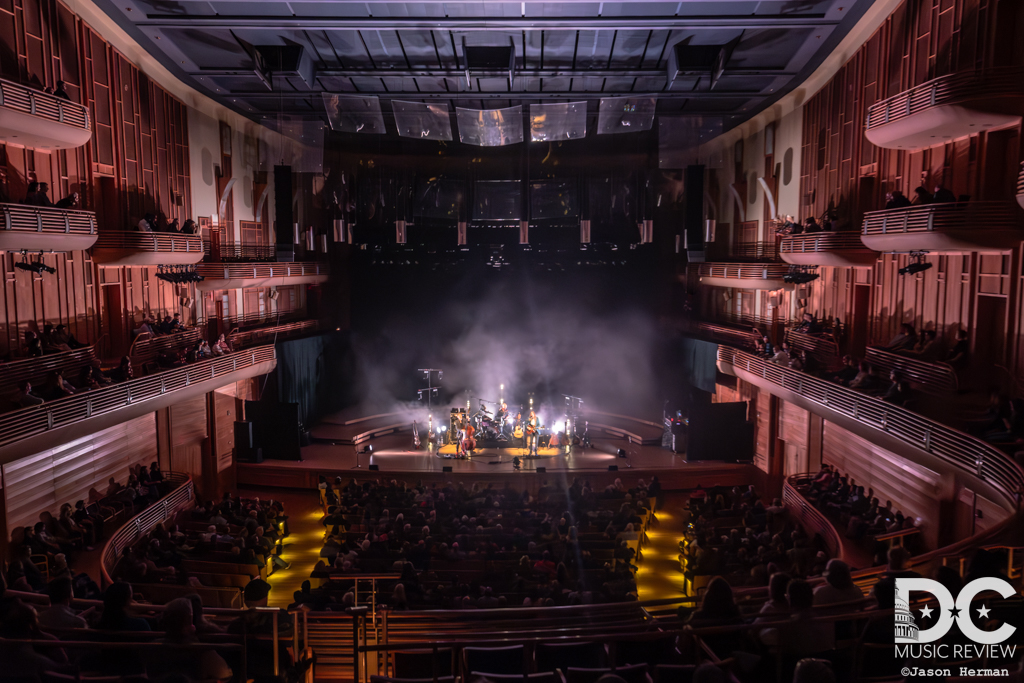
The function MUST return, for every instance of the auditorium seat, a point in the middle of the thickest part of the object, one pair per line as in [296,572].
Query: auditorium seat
[420,663]
[674,673]
[659,651]
[494,660]
[541,677]
[551,656]
[636,673]
[386,679]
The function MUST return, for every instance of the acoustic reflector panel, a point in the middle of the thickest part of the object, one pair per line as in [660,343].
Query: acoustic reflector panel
[421,120]
[354,114]
[559,121]
[490,127]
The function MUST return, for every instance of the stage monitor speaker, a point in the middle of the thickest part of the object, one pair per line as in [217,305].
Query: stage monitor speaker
[446,468]
[613,468]
[275,428]
[542,470]
[283,205]
[693,209]
[374,468]
[720,431]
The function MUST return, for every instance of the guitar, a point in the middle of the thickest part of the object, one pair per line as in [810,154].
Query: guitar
[517,432]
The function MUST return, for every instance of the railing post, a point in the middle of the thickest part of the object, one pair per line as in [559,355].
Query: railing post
[277,643]
[928,438]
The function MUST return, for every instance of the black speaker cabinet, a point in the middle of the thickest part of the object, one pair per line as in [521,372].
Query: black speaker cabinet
[720,431]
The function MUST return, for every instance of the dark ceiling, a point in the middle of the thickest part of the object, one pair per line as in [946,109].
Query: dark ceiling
[569,50]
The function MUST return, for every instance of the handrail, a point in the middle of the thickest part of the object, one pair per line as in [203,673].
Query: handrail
[47,219]
[27,100]
[757,250]
[939,375]
[239,251]
[811,517]
[247,320]
[818,242]
[991,215]
[244,339]
[26,422]
[960,450]
[1020,181]
[141,524]
[26,368]
[149,241]
[744,271]
[237,271]
[956,87]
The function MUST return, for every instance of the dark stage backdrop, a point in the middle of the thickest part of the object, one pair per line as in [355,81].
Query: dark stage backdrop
[699,363]
[315,373]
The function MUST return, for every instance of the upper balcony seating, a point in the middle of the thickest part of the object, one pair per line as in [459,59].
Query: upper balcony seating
[32,118]
[230,252]
[744,275]
[38,370]
[30,430]
[839,249]
[243,275]
[953,227]
[147,249]
[932,377]
[147,349]
[946,108]
[737,336]
[34,228]
[743,251]
[822,348]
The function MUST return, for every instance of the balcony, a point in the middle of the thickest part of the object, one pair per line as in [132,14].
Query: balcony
[238,252]
[268,335]
[945,228]
[892,427]
[744,275]
[947,108]
[1020,186]
[34,119]
[37,428]
[33,228]
[244,275]
[838,249]
[744,251]
[147,249]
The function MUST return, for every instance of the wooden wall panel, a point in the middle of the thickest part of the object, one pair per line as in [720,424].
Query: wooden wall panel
[63,475]
[136,162]
[915,490]
[226,411]
[188,431]
[762,431]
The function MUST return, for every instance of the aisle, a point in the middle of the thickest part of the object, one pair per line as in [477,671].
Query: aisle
[659,575]
[302,547]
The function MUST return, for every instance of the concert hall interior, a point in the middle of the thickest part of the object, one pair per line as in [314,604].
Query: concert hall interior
[469,341]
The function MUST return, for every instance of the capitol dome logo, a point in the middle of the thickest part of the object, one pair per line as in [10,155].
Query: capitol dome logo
[906,627]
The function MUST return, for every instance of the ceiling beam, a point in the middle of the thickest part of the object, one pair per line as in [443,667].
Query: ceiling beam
[491,95]
[788,21]
[429,72]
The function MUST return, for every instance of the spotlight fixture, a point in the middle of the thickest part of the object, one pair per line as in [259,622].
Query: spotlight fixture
[179,275]
[37,267]
[800,275]
[917,263]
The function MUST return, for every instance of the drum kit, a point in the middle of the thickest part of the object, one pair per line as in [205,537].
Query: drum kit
[481,425]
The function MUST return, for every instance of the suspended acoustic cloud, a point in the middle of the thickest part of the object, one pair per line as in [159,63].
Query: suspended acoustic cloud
[490,127]
[421,120]
[559,121]
[625,114]
[354,114]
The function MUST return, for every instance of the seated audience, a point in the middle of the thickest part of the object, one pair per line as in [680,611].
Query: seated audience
[896,200]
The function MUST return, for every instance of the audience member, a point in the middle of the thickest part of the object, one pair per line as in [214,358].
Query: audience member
[896,200]
[943,196]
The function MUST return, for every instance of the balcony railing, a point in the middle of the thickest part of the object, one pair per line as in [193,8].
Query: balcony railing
[949,89]
[236,275]
[956,226]
[265,335]
[25,422]
[826,249]
[226,252]
[743,271]
[147,248]
[956,448]
[946,108]
[25,114]
[141,524]
[45,229]
[1020,185]
[743,251]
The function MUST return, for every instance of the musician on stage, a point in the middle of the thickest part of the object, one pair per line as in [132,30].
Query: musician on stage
[532,434]
[501,415]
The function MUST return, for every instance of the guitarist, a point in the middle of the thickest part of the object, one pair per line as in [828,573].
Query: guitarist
[532,434]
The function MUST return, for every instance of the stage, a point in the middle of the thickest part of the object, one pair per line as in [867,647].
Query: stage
[340,449]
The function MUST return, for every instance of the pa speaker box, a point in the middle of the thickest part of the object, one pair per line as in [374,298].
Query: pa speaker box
[275,428]
[720,431]
[283,204]
[243,436]
[542,470]
[693,210]
[613,468]
[375,468]
[446,468]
